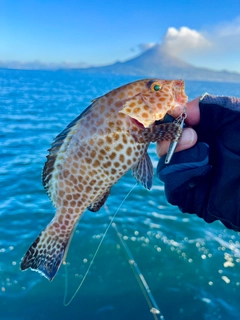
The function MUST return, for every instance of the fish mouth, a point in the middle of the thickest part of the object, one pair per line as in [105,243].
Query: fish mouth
[180,104]
[182,100]
[178,107]
[180,95]
[137,123]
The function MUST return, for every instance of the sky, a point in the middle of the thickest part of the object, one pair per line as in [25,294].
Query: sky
[79,33]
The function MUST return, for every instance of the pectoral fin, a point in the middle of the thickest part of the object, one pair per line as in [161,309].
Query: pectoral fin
[143,171]
[99,202]
[160,132]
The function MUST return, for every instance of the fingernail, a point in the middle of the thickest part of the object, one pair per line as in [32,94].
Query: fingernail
[187,137]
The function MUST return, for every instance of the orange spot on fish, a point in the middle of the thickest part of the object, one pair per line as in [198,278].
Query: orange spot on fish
[121,95]
[117,164]
[96,163]
[121,158]
[109,140]
[118,104]
[88,160]
[136,110]
[107,164]
[129,151]
[102,108]
[88,189]
[119,147]
[112,155]
[93,154]
[92,182]
[73,203]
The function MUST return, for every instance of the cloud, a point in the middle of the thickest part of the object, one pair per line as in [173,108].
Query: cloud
[146,46]
[179,42]
[228,29]
[38,65]
[225,37]
[184,40]
[142,47]
[216,47]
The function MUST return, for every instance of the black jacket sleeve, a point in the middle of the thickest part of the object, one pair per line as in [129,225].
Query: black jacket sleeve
[205,179]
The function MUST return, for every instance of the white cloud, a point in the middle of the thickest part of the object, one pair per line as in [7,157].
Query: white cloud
[217,47]
[178,42]
[146,46]
[184,40]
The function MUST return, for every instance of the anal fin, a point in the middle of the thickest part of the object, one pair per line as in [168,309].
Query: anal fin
[99,202]
[143,171]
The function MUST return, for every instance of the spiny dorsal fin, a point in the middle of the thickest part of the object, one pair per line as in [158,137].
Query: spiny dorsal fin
[96,206]
[95,99]
[143,171]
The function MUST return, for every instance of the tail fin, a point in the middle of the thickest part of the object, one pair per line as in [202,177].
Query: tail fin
[46,253]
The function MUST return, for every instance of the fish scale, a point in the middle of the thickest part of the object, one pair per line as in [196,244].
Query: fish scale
[95,150]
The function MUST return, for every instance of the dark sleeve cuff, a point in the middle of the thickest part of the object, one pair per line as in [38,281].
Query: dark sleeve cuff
[187,179]
[217,113]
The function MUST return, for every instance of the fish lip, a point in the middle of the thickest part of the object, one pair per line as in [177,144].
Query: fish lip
[182,102]
[184,99]
[180,94]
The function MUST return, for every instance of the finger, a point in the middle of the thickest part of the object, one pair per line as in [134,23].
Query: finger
[193,112]
[175,112]
[188,139]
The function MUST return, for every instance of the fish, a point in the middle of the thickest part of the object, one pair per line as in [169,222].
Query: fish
[94,151]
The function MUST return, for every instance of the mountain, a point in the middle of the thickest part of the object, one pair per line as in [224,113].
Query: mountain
[155,62]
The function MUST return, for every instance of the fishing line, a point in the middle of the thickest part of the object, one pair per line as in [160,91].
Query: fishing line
[153,307]
[94,256]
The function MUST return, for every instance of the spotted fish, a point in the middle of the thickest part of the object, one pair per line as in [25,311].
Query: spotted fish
[94,151]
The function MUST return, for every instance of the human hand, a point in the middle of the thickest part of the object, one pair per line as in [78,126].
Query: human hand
[204,179]
[189,136]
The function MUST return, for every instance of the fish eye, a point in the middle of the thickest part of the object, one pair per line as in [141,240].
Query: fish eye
[155,86]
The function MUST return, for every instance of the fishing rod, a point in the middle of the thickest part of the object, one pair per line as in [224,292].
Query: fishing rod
[154,309]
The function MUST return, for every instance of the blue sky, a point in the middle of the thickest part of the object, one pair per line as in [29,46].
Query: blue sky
[77,33]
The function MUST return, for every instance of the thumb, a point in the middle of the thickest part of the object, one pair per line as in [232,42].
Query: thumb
[188,139]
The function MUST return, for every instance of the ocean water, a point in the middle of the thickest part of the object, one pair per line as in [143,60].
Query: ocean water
[192,268]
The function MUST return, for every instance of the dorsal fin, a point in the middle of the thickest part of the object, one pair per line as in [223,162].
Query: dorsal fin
[95,99]
[58,148]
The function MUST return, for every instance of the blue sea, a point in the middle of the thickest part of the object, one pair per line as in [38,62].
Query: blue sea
[191,267]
